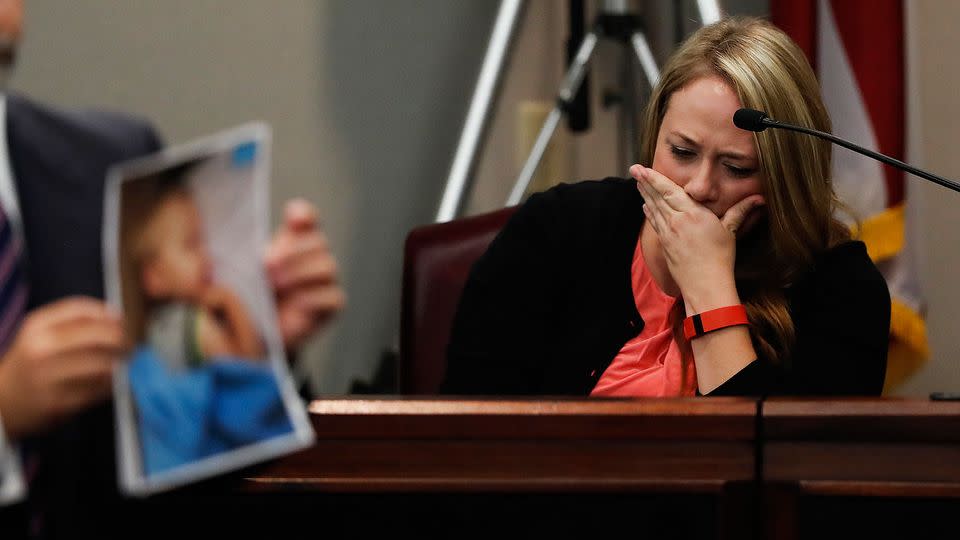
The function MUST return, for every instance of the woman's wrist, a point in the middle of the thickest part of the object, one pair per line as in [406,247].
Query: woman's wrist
[716,295]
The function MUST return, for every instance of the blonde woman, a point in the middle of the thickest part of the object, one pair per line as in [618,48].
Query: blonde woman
[718,269]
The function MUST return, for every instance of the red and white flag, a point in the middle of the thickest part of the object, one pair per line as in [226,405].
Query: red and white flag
[858,50]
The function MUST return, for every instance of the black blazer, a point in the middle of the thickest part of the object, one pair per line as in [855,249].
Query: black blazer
[59,161]
[550,304]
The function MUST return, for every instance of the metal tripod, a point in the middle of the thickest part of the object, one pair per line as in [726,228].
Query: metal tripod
[614,21]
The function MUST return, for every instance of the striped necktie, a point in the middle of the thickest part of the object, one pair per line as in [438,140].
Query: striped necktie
[13,285]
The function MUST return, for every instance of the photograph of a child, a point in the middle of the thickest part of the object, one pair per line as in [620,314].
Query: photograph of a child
[206,388]
[170,300]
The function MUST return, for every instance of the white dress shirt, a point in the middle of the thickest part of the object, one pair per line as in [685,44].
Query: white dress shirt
[12,485]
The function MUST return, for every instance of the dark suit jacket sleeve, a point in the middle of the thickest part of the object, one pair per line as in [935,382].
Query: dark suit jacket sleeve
[841,313]
[502,318]
[131,135]
[59,159]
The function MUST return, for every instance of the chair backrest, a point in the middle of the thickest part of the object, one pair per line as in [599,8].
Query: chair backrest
[436,262]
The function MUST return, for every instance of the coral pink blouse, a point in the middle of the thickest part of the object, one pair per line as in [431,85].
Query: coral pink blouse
[650,364]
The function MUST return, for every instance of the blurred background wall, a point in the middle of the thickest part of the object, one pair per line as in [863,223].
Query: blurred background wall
[366,99]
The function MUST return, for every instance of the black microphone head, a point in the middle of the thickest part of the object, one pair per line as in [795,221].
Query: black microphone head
[750,120]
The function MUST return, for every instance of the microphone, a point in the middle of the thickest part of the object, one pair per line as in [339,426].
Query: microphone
[753,120]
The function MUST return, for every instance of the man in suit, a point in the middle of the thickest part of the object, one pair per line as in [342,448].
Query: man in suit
[63,342]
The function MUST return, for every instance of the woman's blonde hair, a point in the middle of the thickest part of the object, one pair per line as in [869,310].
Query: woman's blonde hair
[770,73]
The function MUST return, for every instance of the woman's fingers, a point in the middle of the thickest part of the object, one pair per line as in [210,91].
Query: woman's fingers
[664,190]
[734,219]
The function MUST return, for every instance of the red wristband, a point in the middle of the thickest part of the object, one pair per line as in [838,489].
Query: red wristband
[697,325]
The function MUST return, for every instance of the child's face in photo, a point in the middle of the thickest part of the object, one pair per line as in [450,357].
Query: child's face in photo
[179,266]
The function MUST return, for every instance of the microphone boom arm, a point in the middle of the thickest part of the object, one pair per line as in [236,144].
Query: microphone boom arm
[875,155]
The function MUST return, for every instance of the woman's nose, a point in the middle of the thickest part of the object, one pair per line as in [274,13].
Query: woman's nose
[702,186]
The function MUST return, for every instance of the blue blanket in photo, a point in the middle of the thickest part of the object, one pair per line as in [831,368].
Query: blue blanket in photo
[185,416]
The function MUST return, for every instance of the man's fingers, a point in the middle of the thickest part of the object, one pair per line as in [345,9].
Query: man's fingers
[91,336]
[63,357]
[289,245]
[300,215]
[306,311]
[293,259]
[317,269]
[80,381]
[294,324]
[72,309]
[320,300]
[298,245]
[51,346]
[80,393]
[86,369]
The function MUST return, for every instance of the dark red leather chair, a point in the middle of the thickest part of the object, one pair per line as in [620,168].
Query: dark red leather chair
[436,261]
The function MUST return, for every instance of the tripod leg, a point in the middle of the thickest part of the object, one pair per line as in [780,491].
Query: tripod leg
[709,11]
[642,49]
[484,94]
[568,89]
[628,117]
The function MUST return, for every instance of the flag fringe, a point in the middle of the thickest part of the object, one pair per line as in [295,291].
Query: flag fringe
[909,349]
[883,233]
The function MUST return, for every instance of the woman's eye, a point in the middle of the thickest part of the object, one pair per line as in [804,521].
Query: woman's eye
[682,153]
[740,172]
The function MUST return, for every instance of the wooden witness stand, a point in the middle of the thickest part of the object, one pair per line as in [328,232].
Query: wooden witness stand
[708,467]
